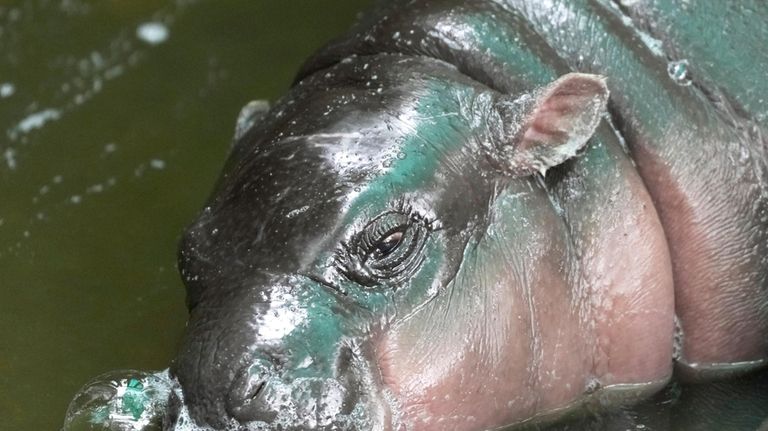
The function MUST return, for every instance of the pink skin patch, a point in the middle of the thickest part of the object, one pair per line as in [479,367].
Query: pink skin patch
[718,275]
[627,266]
[455,368]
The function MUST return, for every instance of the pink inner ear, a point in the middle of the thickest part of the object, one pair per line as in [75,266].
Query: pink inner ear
[564,110]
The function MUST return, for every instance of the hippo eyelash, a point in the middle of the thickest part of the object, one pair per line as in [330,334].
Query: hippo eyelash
[403,207]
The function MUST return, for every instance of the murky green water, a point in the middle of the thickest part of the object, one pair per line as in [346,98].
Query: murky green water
[110,139]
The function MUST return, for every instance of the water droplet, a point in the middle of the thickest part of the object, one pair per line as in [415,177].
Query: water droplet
[10,158]
[6,90]
[387,163]
[157,164]
[96,188]
[679,71]
[401,155]
[153,33]
[297,211]
[36,120]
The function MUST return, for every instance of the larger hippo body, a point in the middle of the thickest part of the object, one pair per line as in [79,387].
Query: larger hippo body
[406,242]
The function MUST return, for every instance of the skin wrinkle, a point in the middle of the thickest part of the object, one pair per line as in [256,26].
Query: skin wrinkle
[533,364]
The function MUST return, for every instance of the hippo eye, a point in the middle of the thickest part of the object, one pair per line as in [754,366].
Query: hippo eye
[385,249]
[388,244]
[382,237]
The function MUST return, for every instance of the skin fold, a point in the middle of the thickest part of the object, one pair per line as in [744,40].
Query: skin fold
[468,215]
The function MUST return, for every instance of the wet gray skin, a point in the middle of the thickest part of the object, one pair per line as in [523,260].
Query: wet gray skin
[405,241]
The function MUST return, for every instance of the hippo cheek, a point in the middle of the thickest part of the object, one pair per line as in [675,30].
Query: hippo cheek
[501,345]
[470,380]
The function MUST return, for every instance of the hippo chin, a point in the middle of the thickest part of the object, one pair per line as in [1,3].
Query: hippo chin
[467,215]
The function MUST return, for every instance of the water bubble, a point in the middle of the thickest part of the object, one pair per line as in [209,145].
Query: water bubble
[6,90]
[10,158]
[157,164]
[96,188]
[679,71]
[153,33]
[110,147]
[36,121]
[387,163]
[401,155]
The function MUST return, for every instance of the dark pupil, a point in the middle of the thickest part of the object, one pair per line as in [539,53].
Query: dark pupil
[389,244]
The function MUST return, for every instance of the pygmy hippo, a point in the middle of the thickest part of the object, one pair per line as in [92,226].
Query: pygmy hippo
[471,214]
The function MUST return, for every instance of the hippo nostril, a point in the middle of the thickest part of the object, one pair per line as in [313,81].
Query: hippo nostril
[248,398]
[257,390]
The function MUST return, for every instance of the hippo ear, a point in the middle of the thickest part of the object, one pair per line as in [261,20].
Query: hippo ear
[546,128]
[251,114]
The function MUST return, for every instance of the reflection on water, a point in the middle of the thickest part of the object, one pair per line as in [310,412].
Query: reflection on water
[736,405]
[115,118]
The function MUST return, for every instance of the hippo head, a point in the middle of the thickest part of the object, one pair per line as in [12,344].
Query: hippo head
[373,253]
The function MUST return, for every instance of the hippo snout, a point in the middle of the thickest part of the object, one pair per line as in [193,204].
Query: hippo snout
[260,394]
[268,390]
[257,402]
[261,358]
